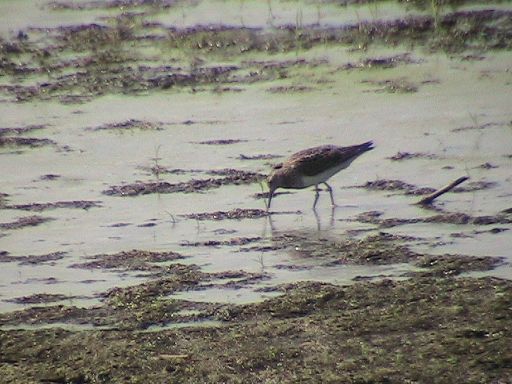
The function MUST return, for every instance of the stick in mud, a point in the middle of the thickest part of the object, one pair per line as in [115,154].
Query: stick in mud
[430,198]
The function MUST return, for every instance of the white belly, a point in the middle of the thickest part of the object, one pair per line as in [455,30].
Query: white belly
[321,177]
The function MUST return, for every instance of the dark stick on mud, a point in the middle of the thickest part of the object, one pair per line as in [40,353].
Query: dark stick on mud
[427,200]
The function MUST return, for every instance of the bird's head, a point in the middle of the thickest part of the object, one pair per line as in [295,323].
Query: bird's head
[274,181]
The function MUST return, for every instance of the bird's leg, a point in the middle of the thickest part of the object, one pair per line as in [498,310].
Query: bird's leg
[330,193]
[318,226]
[270,195]
[317,194]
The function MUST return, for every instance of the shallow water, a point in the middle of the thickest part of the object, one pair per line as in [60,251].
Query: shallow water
[464,94]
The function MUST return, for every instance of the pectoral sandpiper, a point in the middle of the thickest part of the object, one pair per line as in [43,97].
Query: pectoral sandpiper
[313,166]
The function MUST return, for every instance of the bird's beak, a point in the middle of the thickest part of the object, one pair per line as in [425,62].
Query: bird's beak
[270,194]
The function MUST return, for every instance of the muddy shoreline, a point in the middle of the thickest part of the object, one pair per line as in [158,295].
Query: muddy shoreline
[376,330]
[128,70]
[456,330]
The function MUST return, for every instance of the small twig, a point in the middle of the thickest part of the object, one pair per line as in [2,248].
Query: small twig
[427,200]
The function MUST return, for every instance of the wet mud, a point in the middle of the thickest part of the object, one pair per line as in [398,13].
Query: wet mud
[27,221]
[382,62]
[454,265]
[231,177]
[129,125]
[382,249]
[147,304]
[150,304]
[50,177]
[126,69]
[135,260]
[458,218]
[475,186]
[41,298]
[345,330]
[39,207]
[235,214]
[32,142]
[31,259]
[410,189]
[94,4]
[396,185]
[400,85]
[459,316]
[408,155]
[236,241]
[289,89]
[140,306]
[266,156]
[20,130]
[221,142]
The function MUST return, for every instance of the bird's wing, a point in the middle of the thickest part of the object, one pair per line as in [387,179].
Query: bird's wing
[315,160]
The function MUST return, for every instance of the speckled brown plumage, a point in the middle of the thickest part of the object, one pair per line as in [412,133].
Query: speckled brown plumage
[313,166]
